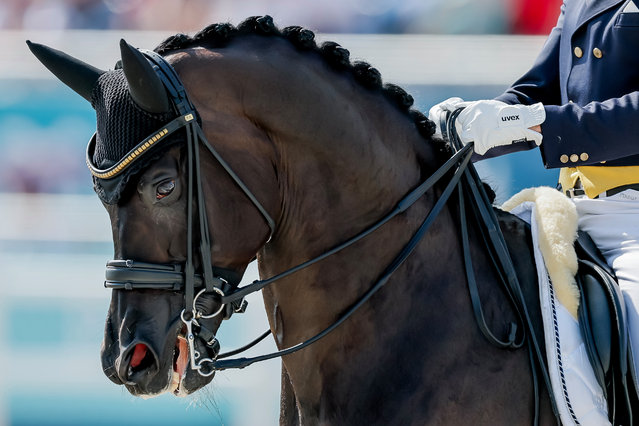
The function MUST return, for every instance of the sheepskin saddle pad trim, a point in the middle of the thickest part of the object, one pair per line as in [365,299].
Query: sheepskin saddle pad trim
[556,217]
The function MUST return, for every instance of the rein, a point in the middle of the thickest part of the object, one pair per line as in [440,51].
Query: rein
[471,187]
[461,159]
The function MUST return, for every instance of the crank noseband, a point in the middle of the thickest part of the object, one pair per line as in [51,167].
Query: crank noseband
[129,275]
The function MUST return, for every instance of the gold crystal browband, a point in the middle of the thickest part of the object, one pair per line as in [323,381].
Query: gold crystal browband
[137,151]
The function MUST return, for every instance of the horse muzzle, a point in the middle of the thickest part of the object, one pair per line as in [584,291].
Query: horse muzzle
[151,365]
[146,344]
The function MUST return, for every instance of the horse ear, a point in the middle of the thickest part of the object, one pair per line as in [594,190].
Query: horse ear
[146,88]
[79,76]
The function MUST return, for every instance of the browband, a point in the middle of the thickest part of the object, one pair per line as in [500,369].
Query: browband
[137,151]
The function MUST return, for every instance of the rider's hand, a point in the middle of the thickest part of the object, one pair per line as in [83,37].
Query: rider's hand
[491,123]
[438,112]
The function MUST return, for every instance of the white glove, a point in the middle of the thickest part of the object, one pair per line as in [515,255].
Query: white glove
[492,123]
[438,112]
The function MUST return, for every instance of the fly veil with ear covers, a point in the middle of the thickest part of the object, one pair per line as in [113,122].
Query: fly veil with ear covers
[123,119]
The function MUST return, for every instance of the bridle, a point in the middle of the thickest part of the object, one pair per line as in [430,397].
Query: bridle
[134,275]
[215,282]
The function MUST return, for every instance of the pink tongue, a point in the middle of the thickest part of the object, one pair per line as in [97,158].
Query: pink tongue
[138,355]
[183,357]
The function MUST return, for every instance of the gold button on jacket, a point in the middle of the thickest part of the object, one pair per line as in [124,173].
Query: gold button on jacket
[597,52]
[574,158]
[578,52]
[584,156]
[563,158]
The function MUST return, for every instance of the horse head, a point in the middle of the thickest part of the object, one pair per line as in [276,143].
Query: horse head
[144,345]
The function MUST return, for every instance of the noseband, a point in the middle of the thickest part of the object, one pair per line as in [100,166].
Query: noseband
[216,282]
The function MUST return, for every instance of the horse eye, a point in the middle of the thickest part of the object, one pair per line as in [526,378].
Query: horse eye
[164,189]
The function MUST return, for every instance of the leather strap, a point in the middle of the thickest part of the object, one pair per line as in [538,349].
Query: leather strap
[494,241]
[404,204]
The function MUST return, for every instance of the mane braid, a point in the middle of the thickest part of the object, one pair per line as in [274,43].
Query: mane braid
[337,57]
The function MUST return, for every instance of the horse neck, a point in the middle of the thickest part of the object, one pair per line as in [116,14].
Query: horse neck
[343,157]
[344,154]
[324,134]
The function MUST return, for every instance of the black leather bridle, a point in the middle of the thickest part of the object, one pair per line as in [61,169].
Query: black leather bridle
[133,275]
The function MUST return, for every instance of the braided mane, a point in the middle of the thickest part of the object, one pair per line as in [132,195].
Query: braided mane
[219,35]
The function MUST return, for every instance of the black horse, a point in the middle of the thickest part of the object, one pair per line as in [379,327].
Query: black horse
[299,134]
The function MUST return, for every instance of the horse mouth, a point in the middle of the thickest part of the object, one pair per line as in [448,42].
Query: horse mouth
[180,364]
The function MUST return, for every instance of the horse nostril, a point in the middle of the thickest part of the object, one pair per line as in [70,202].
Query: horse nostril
[139,353]
[142,361]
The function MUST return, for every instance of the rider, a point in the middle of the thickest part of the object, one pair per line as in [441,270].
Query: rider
[580,104]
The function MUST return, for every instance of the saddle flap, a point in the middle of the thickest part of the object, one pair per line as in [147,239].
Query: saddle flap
[603,325]
[596,325]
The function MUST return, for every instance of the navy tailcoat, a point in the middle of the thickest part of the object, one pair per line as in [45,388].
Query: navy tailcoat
[587,77]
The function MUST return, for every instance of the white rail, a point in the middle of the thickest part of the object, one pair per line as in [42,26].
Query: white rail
[402,59]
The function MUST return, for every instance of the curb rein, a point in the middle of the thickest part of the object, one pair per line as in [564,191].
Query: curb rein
[132,275]
[481,209]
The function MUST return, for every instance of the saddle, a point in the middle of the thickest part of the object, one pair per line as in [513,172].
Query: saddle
[601,317]
[604,329]
[586,288]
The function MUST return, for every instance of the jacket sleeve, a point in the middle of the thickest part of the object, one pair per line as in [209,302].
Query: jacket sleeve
[580,133]
[539,84]
[572,129]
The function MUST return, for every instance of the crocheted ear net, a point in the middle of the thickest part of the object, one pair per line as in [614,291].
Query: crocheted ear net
[121,125]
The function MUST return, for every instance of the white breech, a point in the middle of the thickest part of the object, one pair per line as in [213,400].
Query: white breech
[613,224]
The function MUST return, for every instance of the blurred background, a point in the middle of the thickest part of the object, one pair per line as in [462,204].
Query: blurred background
[55,236]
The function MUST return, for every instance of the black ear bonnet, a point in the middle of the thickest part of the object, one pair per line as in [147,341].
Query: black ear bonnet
[121,125]
[141,109]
